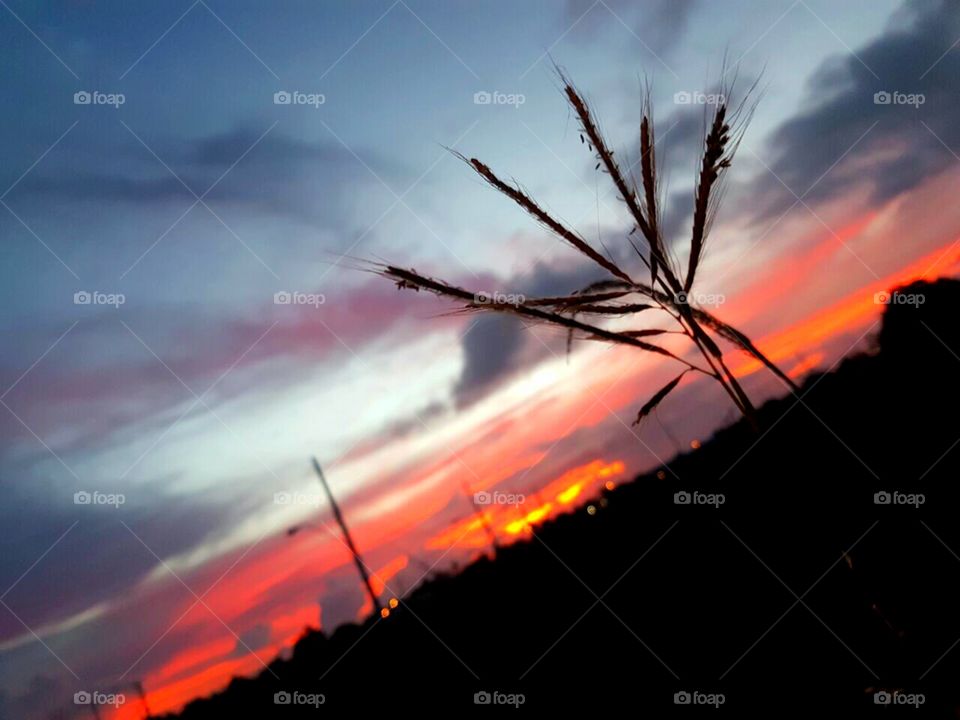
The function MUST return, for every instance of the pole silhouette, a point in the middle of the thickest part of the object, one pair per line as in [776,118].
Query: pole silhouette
[361,568]
[481,516]
[138,685]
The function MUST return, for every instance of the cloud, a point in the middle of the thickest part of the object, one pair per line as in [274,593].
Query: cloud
[499,345]
[842,139]
[490,349]
[251,640]
[658,23]
[98,558]
[307,181]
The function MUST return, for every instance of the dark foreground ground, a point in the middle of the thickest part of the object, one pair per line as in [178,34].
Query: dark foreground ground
[799,596]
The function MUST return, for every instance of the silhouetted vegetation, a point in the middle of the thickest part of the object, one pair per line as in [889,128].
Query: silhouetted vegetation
[799,592]
[669,292]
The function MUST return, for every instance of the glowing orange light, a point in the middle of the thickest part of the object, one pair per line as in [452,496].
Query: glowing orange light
[394,602]
[559,494]
[610,485]
[805,365]
[570,494]
[695,444]
[614,468]
[385,612]
[530,518]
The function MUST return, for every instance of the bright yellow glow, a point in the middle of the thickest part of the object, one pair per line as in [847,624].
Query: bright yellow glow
[570,494]
[394,602]
[530,518]
[614,468]
[559,494]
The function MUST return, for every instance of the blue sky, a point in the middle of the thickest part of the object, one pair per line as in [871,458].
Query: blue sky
[198,199]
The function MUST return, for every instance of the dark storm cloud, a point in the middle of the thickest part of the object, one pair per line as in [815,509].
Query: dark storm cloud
[497,347]
[490,350]
[899,152]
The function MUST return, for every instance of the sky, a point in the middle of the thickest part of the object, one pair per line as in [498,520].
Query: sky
[151,234]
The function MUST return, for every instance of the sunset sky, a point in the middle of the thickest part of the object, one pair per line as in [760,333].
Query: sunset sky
[198,199]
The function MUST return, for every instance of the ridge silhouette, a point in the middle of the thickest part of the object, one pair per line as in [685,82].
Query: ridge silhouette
[698,598]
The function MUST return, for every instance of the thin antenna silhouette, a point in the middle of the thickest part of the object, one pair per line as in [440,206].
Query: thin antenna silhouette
[361,568]
[481,516]
[138,685]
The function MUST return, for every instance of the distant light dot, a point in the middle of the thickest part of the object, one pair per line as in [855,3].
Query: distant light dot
[385,612]
[695,444]
[610,485]
[394,602]
[602,502]
[661,475]
[591,510]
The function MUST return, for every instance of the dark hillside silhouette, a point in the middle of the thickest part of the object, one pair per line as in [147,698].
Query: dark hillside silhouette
[799,592]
